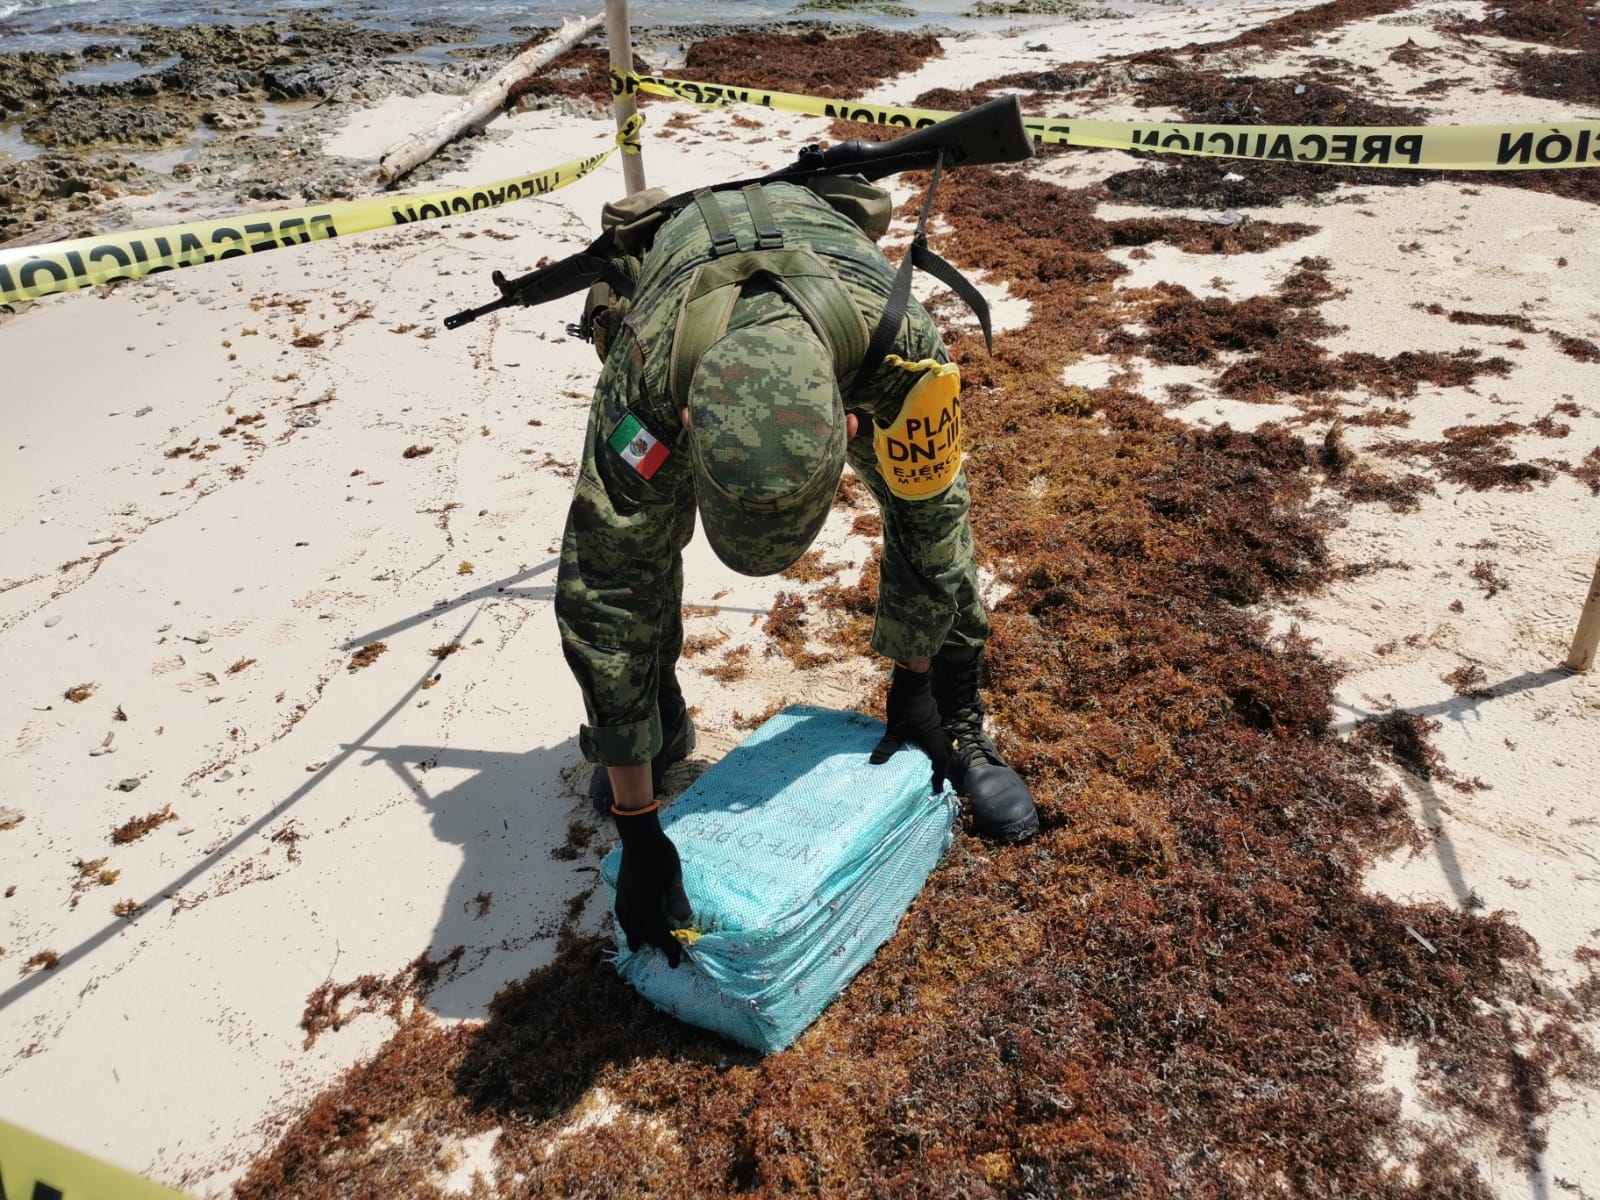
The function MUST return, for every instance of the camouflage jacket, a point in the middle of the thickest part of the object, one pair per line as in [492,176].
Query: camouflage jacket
[620,584]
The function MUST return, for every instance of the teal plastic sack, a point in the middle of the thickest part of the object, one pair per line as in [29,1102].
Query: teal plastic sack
[799,857]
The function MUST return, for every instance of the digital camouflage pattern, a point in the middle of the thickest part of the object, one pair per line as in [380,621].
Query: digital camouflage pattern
[768,443]
[620,584]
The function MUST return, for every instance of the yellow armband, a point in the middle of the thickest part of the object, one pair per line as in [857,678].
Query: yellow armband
[920,453]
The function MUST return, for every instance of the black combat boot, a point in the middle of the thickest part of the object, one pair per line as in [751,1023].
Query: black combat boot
[1002,808]
[677,741]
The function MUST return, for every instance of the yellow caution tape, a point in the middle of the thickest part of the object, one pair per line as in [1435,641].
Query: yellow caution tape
[30,271]
[1421,147]
[628,135]
[35,1168]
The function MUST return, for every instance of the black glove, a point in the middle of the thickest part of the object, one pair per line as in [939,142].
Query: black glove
[914,718]
[650,899]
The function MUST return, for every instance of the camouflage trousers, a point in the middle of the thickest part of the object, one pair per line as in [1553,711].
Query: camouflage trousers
[619,589]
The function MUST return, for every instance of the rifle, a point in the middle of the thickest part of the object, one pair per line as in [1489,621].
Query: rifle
[551,282]
[991,132]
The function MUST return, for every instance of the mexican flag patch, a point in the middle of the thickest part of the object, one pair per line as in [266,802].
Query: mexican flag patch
[637,446]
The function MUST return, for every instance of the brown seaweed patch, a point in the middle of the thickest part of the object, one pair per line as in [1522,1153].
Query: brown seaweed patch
[1402,738]
[1509,320]
[1489,578]
[1180,328]
[1211,97]
[812,63]
[785,626]
[1201,237]
[1572,73]
[1579,348]
[1573,78]
[1401,374]
[852,607]
[1410,54]
[1538,21]
[333,1005]
[1360,484]
[952,99]
[579,836]
[135,828]
[696,644]
[338,1148]
[734,666]
[1476,456]
[1548,426]
[1308,283]
[580,72]
[1588,472]
[1388,416]
[44,960]
[1469,680]
[91,873]
[1306,25]
[1301,367]
[760,717]
[366,656]
[812,567]
[1581,185]
[1335,457]
[1321,97]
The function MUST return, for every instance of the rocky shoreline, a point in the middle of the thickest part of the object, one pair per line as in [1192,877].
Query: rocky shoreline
[200,116]
[233,111]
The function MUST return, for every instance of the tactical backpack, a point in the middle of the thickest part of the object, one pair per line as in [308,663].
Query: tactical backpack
[802,277]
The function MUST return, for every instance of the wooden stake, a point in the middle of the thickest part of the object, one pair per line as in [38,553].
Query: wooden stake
[1581,657]
[484,102]
[620,43]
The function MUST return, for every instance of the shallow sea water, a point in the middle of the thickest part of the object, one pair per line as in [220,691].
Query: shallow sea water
[43,24]
[67,26]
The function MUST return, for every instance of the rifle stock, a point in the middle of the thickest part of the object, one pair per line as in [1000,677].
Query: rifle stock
[991,132]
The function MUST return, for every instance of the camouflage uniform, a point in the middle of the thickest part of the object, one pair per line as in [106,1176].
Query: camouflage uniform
[619,589]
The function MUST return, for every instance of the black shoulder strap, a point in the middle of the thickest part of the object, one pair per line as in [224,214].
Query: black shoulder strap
[894,310]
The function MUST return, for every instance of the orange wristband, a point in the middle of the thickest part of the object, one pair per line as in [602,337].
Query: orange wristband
[635,812]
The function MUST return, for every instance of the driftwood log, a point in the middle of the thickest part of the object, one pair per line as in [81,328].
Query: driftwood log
[483,102]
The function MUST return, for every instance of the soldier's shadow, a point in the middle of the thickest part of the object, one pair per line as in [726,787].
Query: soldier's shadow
[529,878]
[529,864]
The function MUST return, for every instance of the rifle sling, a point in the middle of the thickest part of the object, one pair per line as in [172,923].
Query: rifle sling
[894,310]
[599,266]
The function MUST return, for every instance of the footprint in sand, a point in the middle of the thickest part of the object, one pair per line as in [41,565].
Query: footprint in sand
[31,737]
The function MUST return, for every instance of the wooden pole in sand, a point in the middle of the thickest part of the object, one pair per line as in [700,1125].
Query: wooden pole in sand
[620,44]
[483,102]
[1581,657]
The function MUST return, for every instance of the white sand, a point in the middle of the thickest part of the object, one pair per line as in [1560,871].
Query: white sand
[237,587]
